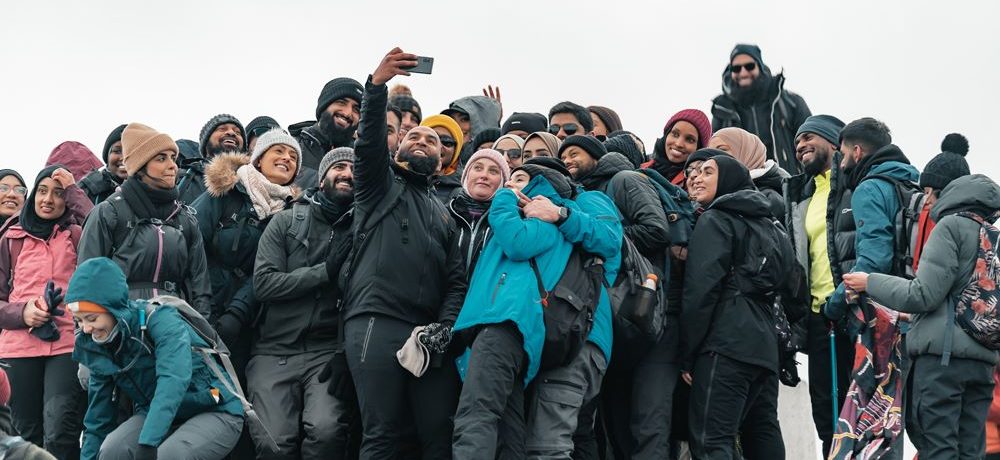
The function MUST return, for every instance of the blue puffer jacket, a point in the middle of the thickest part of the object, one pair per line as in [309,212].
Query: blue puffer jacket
[503,287]
[875,205]
[169,383]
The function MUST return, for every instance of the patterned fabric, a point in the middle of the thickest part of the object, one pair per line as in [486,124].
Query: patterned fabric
[871,420]
[977,311]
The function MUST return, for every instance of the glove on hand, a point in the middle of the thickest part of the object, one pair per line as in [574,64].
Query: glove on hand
[53,298]
[436,337]
[336,372]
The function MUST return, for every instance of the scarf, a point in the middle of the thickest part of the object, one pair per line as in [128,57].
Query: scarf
[666,168]
[148,202]
[332,210]
[267,197]
[30,222]
[468,207]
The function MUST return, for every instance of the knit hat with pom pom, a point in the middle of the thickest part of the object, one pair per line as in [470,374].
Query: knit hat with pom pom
[948,165]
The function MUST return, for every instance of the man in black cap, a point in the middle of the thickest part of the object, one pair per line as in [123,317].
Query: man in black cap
[338,110]
[101,183]
[806,202]
[522,124]
[757,101]
[222,133]
[258,126]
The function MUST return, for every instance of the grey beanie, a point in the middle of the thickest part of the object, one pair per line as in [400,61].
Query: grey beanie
[826,126]
[332,157]
[271,138]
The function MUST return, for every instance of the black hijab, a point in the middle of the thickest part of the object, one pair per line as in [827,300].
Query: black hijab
[30,221]
[5,173]
[149,202]
[554,171]
[733,176]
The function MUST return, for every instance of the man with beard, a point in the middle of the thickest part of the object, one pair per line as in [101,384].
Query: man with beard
[100,184]
[393,125]
[222,133]
[806,203]
[295,279]
[406,276]
[338,110]
[756,101]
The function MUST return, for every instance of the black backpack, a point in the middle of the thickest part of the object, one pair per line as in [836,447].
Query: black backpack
[569,307]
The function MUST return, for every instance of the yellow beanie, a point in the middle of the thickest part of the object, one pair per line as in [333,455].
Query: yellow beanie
[140,143]
[448,123]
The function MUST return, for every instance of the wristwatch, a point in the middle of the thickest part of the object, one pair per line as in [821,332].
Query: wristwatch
[563,215]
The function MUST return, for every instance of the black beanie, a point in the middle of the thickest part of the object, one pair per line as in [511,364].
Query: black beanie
[625,145]
[553,170]
[528,122]
[947,166]
[733,176]
[115,136]
[215,122]
[260,125]
[407,103]
[336,89]
[487,135]
[748,49]
[703,155]
[589,144]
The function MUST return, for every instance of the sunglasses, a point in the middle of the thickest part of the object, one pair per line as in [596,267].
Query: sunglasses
[448,141]
[513,154]
[735,68]
[18,190]
[570,128]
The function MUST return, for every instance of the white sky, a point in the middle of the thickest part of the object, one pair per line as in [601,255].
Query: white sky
[74,70]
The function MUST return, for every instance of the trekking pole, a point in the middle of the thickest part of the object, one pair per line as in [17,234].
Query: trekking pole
[833,372]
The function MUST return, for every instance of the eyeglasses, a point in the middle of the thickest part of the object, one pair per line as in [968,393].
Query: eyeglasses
[448,141]
[513,154]
[18,190]
[735,68]
[570,128]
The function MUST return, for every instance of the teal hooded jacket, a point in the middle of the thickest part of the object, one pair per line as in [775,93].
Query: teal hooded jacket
[503,286]
[166,380]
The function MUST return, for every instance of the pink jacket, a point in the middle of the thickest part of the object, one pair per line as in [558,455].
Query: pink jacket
[38,261]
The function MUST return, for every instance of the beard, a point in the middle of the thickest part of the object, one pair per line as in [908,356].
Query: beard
[817,165]
[339,137]
[423,165]
[332,193]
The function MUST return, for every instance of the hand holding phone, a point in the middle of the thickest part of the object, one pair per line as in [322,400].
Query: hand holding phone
[424,65]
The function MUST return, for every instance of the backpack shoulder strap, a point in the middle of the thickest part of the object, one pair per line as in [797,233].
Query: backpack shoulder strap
[299,228]
[14,247]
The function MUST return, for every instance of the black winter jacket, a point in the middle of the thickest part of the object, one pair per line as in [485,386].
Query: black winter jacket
[472,235]
[406,262]
[774,116]
[299,310]
[314,147]
[714,317]
[769,180]
[841,229]
[157,258]
[99,185]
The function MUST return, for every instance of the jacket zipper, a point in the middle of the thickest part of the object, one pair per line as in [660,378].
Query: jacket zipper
[368,336]
[774,141]
[159,258]
[503,279]
[565,382]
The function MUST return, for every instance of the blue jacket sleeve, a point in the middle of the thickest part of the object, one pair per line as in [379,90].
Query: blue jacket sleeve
[594,222]
[99,421]
[520,238]
[173,373]
[875,205]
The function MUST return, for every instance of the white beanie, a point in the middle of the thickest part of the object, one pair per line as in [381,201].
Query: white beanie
[274,137]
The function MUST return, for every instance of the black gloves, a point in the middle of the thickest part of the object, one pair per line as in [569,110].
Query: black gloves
[53,298]
[228,326]
[145,452]
[436,337]
[339,376]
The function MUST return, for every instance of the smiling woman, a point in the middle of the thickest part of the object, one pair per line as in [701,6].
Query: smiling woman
[12,191]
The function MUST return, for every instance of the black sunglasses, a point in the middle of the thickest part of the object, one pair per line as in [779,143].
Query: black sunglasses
[448,141]
[570,128]
[735,68]
[513,154]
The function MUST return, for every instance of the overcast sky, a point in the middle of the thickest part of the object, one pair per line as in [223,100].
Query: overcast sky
[74,70]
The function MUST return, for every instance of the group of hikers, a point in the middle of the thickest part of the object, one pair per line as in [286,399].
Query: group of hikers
[388,285]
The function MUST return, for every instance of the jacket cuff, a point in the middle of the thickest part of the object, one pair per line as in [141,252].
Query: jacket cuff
[12,316]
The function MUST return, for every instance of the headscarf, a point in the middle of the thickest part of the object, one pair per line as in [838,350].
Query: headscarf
[733,176]
[30,221]
[746,147]
[551,141]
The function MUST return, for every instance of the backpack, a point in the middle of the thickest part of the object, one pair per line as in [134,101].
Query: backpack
[569,307]
[976,309]
[214,353]
[636,335]
[906,228]
[676,205]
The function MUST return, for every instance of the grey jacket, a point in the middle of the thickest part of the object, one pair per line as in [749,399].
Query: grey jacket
[946,264]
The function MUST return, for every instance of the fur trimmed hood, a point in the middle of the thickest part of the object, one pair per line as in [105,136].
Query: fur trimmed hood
[220,174]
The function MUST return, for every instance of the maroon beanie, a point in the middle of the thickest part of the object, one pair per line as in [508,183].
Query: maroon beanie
[698,119]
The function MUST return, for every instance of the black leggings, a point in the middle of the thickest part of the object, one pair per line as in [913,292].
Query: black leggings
[47,403]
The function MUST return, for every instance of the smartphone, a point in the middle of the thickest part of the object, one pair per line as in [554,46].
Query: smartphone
[424,65]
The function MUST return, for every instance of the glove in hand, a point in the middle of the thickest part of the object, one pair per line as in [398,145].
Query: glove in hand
[436,337]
